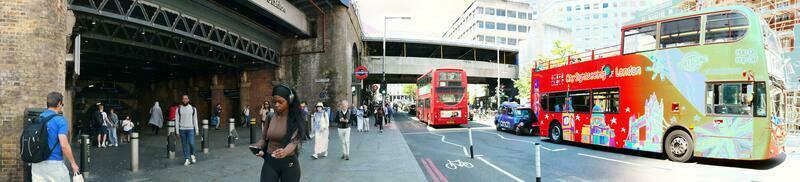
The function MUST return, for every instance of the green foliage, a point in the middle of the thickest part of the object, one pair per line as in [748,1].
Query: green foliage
[410,89]
[560,51]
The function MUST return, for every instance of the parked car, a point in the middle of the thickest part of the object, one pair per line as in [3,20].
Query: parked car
[412,110]
[519,120]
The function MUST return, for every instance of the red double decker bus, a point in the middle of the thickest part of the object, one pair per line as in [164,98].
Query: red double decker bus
[442,97]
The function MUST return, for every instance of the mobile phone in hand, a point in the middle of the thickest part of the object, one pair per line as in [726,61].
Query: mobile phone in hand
[254,149]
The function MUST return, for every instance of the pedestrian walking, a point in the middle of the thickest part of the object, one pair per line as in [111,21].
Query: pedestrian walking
[320,125]
[380,119]
[53,167]
[186,119]
[156,118]
[127,129]
[306,118]
[246,116]
[112,129]
[360,113]
[389,113]
[284,133]
[215,118]
[344,119]
[368,112]
[264,112]
[102,117]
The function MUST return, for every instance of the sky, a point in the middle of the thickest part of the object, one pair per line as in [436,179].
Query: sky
[429,18]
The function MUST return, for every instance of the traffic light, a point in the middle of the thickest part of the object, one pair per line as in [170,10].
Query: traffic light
[383,87]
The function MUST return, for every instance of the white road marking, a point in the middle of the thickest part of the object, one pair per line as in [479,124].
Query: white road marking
[460,129]
[530,142]
[501,170]
[462,147]
[578,179]
[613,160]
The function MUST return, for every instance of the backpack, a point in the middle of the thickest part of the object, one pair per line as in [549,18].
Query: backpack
[34,145]
[179,111]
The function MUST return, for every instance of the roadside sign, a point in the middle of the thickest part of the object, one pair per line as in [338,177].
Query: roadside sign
[361,73]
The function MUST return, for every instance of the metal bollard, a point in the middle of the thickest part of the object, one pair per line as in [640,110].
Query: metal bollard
[252,131]
[471,153]
[85,144]
[231,129]
[538,163]
[134,151]
[171,139]
[203,138]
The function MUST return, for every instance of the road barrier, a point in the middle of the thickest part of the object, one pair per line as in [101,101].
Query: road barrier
[171,139]
[204,138]
[471,151]
[85,144]
[134,151]
[538,163]
[252,131]
[231,129]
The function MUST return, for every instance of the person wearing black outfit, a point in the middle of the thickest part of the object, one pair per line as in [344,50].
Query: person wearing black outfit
[344,117]
[380,119]
[281,137]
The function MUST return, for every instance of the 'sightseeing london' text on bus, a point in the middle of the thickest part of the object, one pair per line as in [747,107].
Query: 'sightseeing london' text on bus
[705,84]
[442,97]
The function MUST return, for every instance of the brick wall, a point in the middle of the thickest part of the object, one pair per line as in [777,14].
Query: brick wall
[32,54]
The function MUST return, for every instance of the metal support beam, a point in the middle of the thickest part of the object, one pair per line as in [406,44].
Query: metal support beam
[151,16]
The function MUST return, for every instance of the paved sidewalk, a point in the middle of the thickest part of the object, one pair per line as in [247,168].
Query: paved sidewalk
[374,157]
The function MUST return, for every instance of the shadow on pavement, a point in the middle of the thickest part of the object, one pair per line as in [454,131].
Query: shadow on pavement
[757,164]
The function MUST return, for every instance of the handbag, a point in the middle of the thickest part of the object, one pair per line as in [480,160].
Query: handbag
[77,178]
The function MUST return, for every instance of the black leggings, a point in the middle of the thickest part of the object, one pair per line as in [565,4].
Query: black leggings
[154,128]
[283,170]
[379,123]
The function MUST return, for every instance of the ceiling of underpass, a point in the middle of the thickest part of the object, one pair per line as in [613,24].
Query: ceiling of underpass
[119,51]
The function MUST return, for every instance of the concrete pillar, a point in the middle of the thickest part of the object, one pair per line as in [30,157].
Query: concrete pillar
[244,94]
[217,97]
[33,50]
[69,99]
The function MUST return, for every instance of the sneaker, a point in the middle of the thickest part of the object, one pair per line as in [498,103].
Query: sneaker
[186,163]
[194,160]
[347,157]
[325,154]
[343,156]
[381,131]
[314,156]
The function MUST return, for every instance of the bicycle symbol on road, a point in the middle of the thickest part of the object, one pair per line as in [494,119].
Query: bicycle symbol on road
[457,163]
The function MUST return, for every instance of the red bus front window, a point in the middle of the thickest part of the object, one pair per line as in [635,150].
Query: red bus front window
[450,89]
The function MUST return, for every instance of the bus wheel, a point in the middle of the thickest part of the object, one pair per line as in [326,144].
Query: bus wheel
[679,146]
[555,132]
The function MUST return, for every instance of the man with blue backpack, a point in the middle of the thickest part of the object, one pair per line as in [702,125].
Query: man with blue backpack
[47,158]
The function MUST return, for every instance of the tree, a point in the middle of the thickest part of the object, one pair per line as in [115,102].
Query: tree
[523,84]
[410,89]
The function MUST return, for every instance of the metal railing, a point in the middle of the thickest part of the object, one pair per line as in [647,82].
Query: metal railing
[591,55]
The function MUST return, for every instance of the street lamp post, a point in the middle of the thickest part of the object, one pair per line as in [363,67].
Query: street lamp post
[383,64]
[497,88]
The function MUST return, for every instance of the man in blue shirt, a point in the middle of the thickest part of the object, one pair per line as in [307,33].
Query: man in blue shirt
[53,168]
